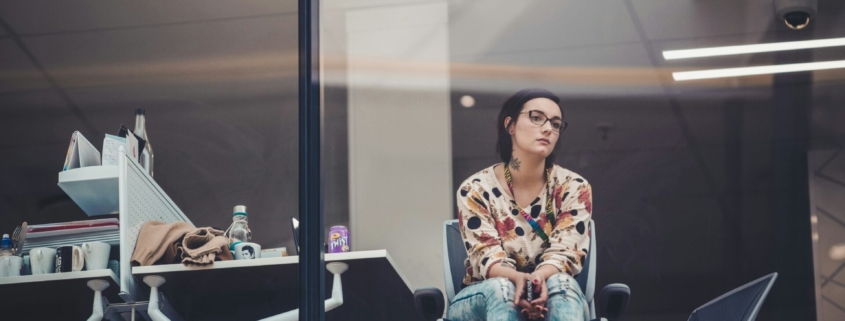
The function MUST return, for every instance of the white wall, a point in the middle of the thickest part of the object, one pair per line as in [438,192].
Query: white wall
[400,163]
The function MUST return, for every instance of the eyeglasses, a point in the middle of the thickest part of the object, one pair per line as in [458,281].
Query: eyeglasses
[539,118]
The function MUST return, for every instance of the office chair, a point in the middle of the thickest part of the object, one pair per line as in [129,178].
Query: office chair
[613,299]
[741,304]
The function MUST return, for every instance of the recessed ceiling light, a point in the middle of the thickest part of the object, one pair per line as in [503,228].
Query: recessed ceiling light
[747,49]
[467,101]
[837,252]
[759,70]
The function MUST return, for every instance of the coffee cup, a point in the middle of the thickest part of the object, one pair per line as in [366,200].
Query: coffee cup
[10,265]
[247,251]
[96,255]
[42,260]
[69,258]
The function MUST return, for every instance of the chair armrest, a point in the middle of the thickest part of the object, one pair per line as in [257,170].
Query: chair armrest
[429,302]
[613,301]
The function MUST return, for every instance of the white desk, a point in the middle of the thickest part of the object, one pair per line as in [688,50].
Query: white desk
[373,289]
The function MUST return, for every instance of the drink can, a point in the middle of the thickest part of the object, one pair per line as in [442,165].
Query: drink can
[339,239]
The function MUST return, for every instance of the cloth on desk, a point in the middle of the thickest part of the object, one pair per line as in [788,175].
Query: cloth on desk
[203,245]
[155,239]
[168,243]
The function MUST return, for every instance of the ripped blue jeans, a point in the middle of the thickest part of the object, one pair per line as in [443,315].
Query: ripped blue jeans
[492,300]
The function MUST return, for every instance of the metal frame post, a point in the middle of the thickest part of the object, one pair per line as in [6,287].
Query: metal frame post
[311,257]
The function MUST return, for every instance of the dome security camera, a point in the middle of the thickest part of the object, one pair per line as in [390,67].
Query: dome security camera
[796,13]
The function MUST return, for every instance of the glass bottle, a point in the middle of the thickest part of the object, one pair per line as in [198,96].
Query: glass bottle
[239,230]
[147,156]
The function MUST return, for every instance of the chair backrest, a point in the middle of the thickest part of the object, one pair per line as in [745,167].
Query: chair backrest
[741,304]
[455,252]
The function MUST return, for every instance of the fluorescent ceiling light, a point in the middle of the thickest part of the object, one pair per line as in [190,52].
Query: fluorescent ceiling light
[747,49]
[760,70]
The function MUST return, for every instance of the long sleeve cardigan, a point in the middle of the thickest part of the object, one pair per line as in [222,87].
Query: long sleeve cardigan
[495,232]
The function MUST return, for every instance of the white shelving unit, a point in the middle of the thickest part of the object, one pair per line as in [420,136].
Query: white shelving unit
[54,277]
[94,188]
[242,290]
[126,190]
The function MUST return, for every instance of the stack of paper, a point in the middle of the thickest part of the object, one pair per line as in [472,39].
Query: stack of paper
[81,153]
[72,233]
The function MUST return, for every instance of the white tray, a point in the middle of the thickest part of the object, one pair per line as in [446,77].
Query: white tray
[93,188]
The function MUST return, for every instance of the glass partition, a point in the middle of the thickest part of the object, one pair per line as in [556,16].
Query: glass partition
[698,186]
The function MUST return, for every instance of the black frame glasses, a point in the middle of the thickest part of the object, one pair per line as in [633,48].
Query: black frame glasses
[539,118]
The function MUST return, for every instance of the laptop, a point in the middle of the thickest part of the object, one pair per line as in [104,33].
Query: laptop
[741,304]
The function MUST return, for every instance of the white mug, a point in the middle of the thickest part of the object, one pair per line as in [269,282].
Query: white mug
[247,251]
[96,255]
[42,260]
[11,265]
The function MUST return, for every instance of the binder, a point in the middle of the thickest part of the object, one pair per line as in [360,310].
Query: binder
[80,153]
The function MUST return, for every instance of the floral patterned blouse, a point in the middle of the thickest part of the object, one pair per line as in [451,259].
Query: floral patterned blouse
[494,231]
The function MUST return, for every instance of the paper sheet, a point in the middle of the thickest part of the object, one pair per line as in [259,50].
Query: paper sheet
[111,145]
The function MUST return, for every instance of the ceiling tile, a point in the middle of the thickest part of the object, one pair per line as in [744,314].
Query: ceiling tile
[44,16]
[233,52]
[17,72]
[34,144]
[829,23]
[480,27]
[31,104]
[668,19]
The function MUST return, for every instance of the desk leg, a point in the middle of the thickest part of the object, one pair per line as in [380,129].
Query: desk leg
[98,286]
[337,268]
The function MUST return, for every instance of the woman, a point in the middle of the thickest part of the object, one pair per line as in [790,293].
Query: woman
[524,220]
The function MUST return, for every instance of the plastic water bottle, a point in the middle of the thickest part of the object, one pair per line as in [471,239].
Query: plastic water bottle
[6,246]
[239,230]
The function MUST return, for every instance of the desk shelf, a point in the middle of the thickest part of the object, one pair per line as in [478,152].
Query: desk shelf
[55,296]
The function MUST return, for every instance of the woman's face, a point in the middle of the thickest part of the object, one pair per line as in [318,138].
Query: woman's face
[530,137]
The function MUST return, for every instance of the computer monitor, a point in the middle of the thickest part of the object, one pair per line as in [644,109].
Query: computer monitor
[741,304]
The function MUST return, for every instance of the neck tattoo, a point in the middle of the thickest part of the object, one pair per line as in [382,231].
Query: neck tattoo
[514,163]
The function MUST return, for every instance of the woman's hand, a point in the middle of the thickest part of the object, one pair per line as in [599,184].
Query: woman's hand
[541,293]
[519,279]
[533,311]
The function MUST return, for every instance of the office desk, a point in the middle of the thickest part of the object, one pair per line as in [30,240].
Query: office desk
[54,296]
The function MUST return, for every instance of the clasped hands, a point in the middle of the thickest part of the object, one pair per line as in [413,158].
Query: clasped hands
[536,309]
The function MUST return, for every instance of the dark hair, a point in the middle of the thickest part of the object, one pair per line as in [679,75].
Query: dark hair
[511,108]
